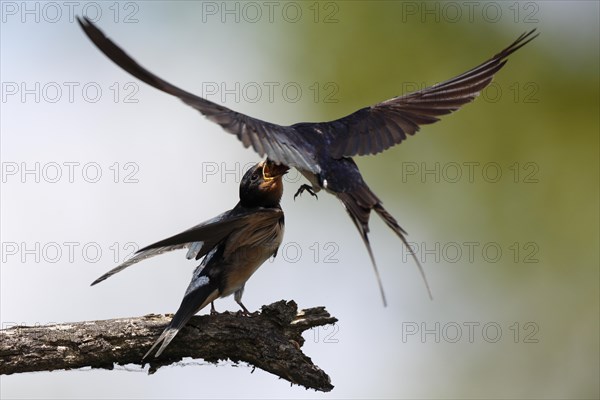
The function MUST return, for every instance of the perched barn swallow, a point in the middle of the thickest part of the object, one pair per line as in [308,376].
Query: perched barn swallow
[233,244]
[322,151]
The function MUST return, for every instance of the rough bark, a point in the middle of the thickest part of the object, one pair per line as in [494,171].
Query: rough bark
[269,340]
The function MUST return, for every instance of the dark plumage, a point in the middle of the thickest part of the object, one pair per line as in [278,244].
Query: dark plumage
[233,244]
[321,151]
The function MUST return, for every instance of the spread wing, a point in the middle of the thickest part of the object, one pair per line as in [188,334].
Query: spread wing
[280,143]
[201,238]
[371,130]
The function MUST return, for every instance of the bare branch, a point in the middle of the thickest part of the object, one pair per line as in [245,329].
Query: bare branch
[270,340]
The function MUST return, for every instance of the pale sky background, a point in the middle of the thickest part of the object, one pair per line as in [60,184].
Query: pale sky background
[164,169]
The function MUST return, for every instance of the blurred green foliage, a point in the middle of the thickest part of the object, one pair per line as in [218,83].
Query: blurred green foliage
[540,120]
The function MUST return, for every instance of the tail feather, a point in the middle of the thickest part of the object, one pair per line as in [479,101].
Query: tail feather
[165,337]
[200,293]
[393,224]
[360,216]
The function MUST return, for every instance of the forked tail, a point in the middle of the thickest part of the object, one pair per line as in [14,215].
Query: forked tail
[393,224]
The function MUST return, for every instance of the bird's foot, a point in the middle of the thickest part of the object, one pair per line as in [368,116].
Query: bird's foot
[244,311]
[308,188]
[213,311]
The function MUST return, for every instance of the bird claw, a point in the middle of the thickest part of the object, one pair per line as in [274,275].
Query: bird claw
[308,188]
[244,311]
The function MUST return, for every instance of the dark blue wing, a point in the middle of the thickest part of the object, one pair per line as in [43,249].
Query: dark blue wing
[280,143]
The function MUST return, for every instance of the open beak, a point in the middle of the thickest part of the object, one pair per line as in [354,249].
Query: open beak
[271,171]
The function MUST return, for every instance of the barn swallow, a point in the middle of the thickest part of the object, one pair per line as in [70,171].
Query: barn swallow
[233,244]
[323,151]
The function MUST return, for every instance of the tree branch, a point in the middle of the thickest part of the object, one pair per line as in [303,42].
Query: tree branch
[269,340]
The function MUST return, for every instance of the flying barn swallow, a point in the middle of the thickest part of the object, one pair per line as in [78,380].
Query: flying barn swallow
[322,151]
[233,244]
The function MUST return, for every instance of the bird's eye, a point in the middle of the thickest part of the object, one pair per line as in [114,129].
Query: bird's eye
[254,177]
